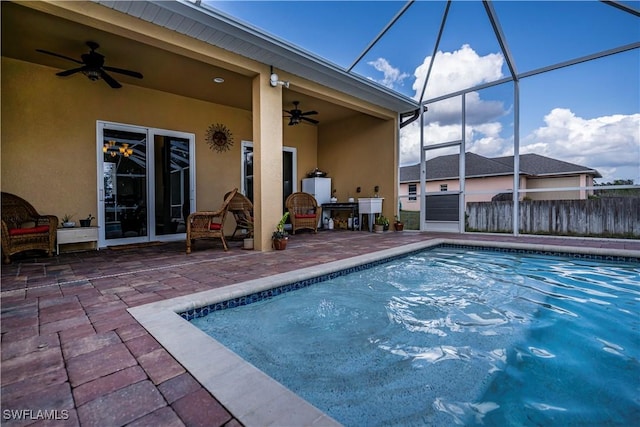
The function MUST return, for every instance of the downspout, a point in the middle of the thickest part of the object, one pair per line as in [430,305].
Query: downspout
[423,175]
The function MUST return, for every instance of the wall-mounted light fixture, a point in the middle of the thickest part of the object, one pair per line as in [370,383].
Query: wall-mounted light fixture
[275,81]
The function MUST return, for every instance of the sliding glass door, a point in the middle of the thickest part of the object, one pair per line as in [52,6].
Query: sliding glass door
[145,182]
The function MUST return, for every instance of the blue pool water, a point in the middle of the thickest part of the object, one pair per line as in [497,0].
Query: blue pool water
[454,337]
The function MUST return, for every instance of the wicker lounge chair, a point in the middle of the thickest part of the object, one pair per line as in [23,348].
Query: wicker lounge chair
[209,224]
[304,211]
[24,229]
[242,210]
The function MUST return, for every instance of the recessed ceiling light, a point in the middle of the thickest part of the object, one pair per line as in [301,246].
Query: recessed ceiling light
[218,80]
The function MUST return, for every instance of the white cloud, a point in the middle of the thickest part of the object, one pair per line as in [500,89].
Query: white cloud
[596,143]
[392,76]
[483,139]
[453,71]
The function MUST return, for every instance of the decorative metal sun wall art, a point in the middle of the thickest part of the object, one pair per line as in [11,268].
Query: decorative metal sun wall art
[219,137]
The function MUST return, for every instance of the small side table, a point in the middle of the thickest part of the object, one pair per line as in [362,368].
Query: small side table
[76,235]
[351,207]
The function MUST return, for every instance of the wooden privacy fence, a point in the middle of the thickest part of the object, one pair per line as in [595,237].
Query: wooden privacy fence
[606,217]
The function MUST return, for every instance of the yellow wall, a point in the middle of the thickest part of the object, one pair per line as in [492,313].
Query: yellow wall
[49,136]
[360,152]
[48,141]
[304,138]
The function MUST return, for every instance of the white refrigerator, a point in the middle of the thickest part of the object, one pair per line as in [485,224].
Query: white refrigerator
[320,188]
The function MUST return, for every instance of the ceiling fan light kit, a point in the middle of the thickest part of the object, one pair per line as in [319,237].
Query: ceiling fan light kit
[296,116]
[92,66]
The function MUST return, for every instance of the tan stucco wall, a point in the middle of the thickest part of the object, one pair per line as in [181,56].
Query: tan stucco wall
[500,184]
[497,184]
[304,138]
[48,141]
[49,136]
[570,181]
[360,152]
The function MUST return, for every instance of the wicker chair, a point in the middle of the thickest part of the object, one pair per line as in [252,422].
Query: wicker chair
[242,210]
[208,224]
[304,211]
[24,229]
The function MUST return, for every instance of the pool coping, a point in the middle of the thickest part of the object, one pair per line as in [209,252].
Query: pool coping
[254,398]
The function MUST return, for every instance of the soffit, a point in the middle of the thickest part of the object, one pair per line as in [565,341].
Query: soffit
[25,29]
[223,31]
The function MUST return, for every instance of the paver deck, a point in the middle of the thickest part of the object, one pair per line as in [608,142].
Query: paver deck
[71,354]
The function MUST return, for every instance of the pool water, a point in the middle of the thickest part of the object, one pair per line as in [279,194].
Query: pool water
[454,337]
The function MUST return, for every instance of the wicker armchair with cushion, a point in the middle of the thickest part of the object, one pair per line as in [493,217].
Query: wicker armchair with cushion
[208,224]
[242,210]
[24,229]
[303,211]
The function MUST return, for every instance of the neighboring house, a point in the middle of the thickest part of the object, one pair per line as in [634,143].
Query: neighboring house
[489,178]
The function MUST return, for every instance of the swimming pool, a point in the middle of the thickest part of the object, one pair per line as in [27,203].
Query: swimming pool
[474,337]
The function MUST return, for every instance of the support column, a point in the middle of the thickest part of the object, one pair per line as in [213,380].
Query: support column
[267,159]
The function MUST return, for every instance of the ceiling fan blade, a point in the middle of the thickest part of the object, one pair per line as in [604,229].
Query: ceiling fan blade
[125,72]
[59,56]
[69,72]
[309,113]
[110,80]
[310,120]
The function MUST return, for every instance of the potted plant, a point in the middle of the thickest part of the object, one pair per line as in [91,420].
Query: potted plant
[66,221]
[280,236]
[87,221]
[381,224]
[397,224]
[247,242]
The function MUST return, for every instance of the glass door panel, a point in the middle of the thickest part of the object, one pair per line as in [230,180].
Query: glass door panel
[247,170]
[124,174]
[145,182]
[172,184]
[288,177]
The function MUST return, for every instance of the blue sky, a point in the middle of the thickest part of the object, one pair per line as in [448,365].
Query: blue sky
[587,114]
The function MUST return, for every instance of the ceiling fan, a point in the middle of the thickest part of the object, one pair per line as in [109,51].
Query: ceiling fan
[296,115]
[93,66]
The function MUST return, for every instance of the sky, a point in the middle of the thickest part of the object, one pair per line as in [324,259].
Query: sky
[588,114]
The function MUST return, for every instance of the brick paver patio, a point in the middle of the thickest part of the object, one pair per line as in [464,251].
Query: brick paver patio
[72,352]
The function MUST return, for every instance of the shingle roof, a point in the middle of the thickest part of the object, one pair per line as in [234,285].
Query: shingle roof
[535,164]
[446,167]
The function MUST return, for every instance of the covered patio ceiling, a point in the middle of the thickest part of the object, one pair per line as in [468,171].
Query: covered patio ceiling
[27,26]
